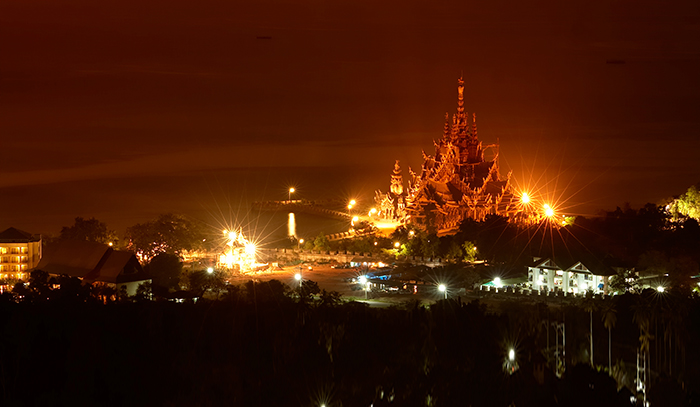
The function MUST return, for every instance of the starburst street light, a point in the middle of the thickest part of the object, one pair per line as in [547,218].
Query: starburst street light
[548,211]
[365,284]
[443,289]
[525,198]
[291,191]
[510,365]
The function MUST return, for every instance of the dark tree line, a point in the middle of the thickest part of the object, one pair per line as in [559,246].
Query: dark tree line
[268,344]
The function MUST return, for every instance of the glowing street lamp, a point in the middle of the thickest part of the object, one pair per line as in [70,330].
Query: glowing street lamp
[397,245]
[497,282]
[210,270]
[525,198]
[297,277]
[660,289]
[548,211]
[443,288]
[510,365]
[301,242]
[364,284]
[291,191]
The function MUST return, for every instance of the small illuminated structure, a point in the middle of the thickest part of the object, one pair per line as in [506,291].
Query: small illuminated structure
[497,282]
[239,253]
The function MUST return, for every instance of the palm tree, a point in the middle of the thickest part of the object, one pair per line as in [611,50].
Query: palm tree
[609,320]
[643,317]
[589,306]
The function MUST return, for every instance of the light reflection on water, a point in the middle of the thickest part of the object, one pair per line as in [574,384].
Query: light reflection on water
[291,226]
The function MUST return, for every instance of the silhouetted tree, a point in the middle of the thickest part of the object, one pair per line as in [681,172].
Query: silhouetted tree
[165,269]
[91,230]
[169,233]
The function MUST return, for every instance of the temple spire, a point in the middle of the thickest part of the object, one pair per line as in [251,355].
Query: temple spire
[461,117]
[446,130]
[474,125]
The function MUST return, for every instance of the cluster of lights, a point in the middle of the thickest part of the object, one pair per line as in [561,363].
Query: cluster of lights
[239,252]
[548,211]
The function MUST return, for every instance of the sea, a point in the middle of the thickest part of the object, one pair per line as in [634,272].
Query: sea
[218,199]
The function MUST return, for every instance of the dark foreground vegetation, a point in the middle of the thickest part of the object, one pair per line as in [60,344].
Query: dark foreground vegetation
[263,344]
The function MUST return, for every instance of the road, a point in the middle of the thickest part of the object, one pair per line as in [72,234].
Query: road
[331,279]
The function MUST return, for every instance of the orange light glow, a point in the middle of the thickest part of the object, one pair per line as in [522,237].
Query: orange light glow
[548,211]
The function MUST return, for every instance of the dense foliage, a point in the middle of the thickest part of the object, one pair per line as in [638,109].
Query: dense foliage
[264,344]
[168,233]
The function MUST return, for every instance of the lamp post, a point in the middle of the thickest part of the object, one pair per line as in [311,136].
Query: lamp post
[443,288]
[364,283]
[297,277]
[289,197]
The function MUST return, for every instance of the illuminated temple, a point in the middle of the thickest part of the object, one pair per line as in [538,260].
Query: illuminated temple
[455,184]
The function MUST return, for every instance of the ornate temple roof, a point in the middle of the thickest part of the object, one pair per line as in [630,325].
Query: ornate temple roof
[457,182]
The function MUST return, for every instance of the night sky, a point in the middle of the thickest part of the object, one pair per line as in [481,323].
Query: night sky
[126,109]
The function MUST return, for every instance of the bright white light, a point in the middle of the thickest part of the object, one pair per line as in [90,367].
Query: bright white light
[660,289]
[497,282]
[548,211]
[362,280]
[249,248]
[525,198]
[297,276]
[442,288]
[291,190]
[210,270]
[397,245]
[511,355]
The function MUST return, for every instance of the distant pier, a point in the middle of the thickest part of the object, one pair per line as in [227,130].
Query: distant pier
[314,207]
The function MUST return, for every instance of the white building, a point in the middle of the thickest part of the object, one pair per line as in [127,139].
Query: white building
[575,278]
